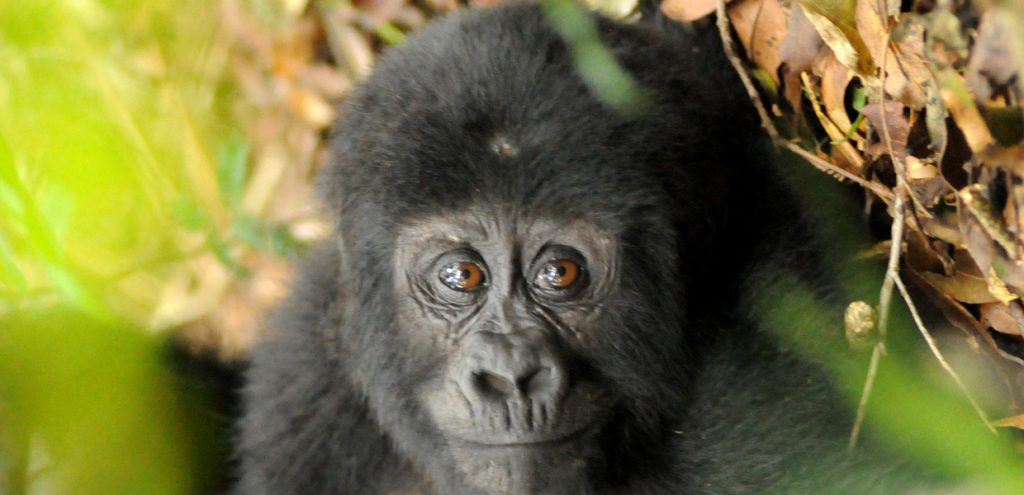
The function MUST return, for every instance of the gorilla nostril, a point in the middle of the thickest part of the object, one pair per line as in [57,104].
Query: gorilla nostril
[537,382]
[493,385]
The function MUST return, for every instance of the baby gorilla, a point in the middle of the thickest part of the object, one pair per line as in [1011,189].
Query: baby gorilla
[531,291]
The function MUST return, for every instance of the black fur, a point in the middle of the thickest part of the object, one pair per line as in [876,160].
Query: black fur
[706,401]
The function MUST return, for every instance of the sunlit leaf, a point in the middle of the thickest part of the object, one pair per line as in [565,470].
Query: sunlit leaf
[232,169]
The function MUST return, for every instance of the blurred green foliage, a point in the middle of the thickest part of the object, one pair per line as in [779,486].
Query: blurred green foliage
[117,137]
[914,407]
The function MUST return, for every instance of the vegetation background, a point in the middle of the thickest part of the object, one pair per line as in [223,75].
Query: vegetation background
[156,173]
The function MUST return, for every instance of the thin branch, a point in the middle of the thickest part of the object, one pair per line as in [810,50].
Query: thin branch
[884,302]
[825,166]
[893,266]
[734,59]
[938,355]
[865,395]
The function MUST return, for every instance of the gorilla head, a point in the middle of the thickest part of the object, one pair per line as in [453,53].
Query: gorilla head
[512,247]
[525,279]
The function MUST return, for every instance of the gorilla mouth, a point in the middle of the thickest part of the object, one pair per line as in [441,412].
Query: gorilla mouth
[568,435]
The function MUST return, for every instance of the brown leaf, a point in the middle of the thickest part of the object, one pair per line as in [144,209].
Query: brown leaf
[902,50]
[688,10]
[761,26]
[834,20]
[843,153]
[1012,422]
[963,287]
[993,62]
[835,77]
[960,103]
[1005,318]
[896,125]
[801,46]
[987,239]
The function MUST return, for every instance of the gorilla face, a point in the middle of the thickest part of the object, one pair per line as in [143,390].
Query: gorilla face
[515,254]
[507,303]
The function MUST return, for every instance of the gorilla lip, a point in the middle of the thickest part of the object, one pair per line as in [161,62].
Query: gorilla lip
[526,443]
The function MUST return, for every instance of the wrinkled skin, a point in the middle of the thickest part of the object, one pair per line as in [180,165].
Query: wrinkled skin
[531,292]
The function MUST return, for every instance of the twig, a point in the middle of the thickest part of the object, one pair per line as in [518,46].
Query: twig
[737,65]
[895,250]
[865,395]
[884,302]
[938,355]
[830,168]
[897,162]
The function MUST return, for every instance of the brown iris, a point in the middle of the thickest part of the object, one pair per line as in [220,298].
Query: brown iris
[559,274]
[462,276]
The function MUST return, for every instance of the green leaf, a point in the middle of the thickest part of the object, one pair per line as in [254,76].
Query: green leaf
[56,207]
[860,98]
[389,33]
[595,63]
[232,168]
[190,215]
[223,253]
[765,79]
[11,275]
[263,236]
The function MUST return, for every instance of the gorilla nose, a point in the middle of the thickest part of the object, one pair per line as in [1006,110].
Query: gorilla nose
[501,368]
[504,383]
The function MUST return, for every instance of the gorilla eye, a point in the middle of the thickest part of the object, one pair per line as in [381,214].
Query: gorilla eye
[463,276]
[558,274]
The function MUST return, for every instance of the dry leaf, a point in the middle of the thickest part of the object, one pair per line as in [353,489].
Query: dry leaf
[965,113]
[312,108]
[761,26]
[993,63]
[843,153]
[902,49]
[987,240]
[1012,421]
[835,77]
[964,288]
[801,46]
[834,21]
[688,10]
[894,130]
[1005,318]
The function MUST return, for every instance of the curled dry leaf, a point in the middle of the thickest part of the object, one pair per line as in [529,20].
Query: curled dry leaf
[688,10]
[966,288]
[835,77]
[1012,422]
[1005,318]
[834,20]
[906,69]
[348,45]
[894,130]
[843,153]
[800,48]
[988,241]
[961,104]
[311,107]
[761,26]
